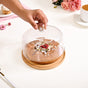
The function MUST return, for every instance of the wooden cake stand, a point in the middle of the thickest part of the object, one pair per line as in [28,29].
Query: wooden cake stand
[44,66]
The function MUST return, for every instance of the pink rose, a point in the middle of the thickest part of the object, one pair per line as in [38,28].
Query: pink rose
[64,5]
[65,0]
[78,4]
[71,5]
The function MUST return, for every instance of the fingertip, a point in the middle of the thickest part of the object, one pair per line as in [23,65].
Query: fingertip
[44,26]
[35,27]
[47,20]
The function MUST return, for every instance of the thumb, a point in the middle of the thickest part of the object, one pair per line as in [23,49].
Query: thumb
[32,22]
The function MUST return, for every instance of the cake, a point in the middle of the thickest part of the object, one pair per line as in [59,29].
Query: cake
[42,51]
[5,10]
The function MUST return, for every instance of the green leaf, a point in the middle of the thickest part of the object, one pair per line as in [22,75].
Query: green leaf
[58,3]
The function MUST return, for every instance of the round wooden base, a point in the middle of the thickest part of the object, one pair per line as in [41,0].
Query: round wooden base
[46,66]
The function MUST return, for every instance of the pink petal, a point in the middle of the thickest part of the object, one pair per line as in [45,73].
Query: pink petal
[64,5]
[65,0]
[72,5]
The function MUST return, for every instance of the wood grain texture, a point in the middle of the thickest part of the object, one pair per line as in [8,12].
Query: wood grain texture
[46,66]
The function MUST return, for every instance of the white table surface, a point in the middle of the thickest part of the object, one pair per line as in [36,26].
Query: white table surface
[72,73]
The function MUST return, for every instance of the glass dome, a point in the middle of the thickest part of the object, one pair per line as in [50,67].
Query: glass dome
[42,46]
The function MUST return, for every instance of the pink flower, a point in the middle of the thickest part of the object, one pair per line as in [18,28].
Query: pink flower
[78,4]
[65,0]
[64,5]
[2,27]
[71,5]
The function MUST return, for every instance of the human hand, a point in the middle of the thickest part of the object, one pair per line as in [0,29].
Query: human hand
[35,15]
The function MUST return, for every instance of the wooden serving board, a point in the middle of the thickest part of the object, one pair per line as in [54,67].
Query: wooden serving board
[46,66]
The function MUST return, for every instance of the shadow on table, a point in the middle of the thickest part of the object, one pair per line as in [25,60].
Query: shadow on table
[19,60]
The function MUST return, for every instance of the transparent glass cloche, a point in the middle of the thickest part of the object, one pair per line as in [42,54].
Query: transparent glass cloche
[42,46]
